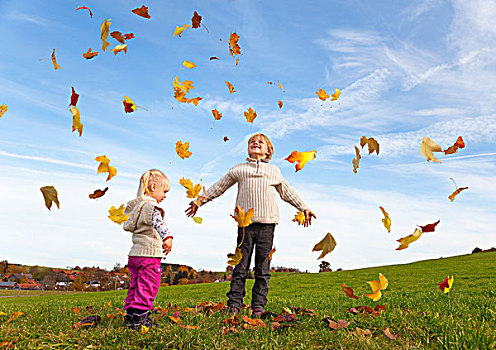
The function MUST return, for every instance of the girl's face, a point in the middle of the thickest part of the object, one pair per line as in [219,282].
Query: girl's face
[158,191]
[257,148]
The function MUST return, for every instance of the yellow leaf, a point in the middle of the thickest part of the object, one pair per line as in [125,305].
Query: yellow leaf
[356,161]
[427,147]
[50,195]
[104,167]
[371,143]
[15,315]
[179,30]
[230,87]
[144,329]
[117,214]
[3,109]
[189,64]
[299,218]
[326,245]
[234,259]
[2,313]
[76,120]
[301,158]
[322,94]
[386,221]
[405,241]
[104,33]
[280,85]
[377,286]
[250,115]
[119,48]
[336,95]
[243,219]
[182,149]
[192,191]
[197,219]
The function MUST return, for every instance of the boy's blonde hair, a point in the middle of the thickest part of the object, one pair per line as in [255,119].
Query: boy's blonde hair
[270,146]
[152,176]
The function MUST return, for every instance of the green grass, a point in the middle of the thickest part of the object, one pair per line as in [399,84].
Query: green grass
[426,318]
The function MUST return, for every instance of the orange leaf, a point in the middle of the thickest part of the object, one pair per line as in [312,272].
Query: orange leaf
[279,103]
[90,54]
[371,143]
[322,94]
[336,95]
[280,86]
[456,192]
[104,167]
[427,147]
[191,191]
[299,218]
[54,60]
[85,8]
[98,193]
[76,310]
[405,241]
[50,195]
[118,36]
[231,88]
[194,100]
[250,115]
[234,48]
[104,33]
[243,219]
[76,120]
[3,109]
[453,149]
[189,64]
[348,291]
[182,149]
[119,48]
[272,251]
[216,114]
[301,158]
[14,316]
[141,11]
[179,30]
[356,161]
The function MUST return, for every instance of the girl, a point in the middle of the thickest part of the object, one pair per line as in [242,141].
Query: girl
[151,239]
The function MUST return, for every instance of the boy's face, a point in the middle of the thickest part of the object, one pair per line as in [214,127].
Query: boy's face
[257,148]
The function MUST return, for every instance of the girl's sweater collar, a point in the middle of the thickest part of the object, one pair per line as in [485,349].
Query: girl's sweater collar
[253,160]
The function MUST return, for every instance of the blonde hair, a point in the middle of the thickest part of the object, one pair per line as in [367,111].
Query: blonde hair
[270,146]
[152,176]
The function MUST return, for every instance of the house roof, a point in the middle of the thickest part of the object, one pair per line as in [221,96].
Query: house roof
[30,285]
[7,284]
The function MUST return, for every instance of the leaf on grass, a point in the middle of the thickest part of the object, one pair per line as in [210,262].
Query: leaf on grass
[3,109]
[216,114]
[356,161]
[182,149]
[104,33]
[98,193]
[348,291]
[279,103]
[74,97]
[361,332]
[15,316]
[117,214]
[144,329]
[230,87]
[336,95]
[234,259]
[254,322]
[391,336]
[322,94]
[50,195]
[76,310]
[299,218]
[377,286]
[76,120]
[386,221]
[368,310]
[429,227]
[272,251]
[129,105]
[197,219]
[326,245]
[445,285]
[119,48]
[250,115]
[301,158]
[406,241]
[90,54]
[371,143]
[179,30]
[457,145]
[427,147]
[340,324]
[243,218]
[104,167]
[141,11]
[85,8]
[90,321]
[54,61]
[285,317]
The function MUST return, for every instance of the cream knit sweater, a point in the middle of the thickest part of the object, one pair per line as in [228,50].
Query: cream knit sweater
[258,182]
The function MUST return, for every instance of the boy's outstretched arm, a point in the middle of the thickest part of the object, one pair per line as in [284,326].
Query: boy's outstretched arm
[289,195]
[308,217]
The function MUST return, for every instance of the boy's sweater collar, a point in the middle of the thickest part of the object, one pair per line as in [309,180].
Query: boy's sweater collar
[253,160]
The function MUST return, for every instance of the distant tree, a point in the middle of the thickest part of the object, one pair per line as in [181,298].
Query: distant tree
[49,280]
[117,266]
[325,266]
[4,267]
[78,284]
[23,280]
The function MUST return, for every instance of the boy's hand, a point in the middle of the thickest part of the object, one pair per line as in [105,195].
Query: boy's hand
[308,218]
[167,245]
[193,208]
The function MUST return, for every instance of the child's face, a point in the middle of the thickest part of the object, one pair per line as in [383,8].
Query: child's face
[158,191]
[257,148]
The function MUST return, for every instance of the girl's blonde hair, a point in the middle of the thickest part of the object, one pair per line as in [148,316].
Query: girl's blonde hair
[152,176]
[270,146]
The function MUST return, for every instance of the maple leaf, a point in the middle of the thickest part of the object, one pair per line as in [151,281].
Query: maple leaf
[322,94]
[179,30]
[326,245]
[371,143]
[194,100]
[299,218]
[90,54]
[129,105]
[189,64]
[386,221]
[427,147]
[356,161]
[406,241]
[119,48]
[50,195]
[104,167]
[141,11]
[216,114]
[243,218]
[98,193]
[104,33]
[192,191]
[234,259]
[279,103]
[234,48]
[250,115]
[74,97]
[14,316]
[340,324]
[301,158]
[445,285]
[230,87]
[117,214]
[76,120]
[457,145]
[3,109]
[348,291]
[182,149]
[336,95]
[377,286]
[54,60]
[272,251]
[430,227]
[196,20]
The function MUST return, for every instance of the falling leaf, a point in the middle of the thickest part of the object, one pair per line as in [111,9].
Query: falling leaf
[280,86]
[216,114]
[371,143]
[76,120]
[74,97]
[377,286]
[234,48]
[128,36]
[386,221]
[326,245]
[322,94]
[430,227]
[3,109]
[120,38]
[90,54]
[225,139]
[104,33]
[301,158]
[194,100]
[196,21]
[189,64]
[141,11]
[445,285]
[119,48]
[50,195]
[234,259]
[299,218]
[335,95]
[272,251]
[455,193]
[243,218]
[348,291]
[427,147]
[14,316]
[54,60]
[388,334]
[98,193]
[85,8]
[279,103]
[117,214]
[192,191]
[457,145]
[129,105]
[213,58]
[356,161]
[179,30]
[104,167]
[340,324]
[197,219]
[250,115]
[406,241]
[182,149]
[231,88]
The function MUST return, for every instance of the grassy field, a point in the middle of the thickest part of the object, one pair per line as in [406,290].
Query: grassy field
[465,318]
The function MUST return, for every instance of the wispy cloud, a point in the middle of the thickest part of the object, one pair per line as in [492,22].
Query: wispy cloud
[25,17]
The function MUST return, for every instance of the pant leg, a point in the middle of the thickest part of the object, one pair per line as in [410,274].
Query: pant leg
[264,239]
[237,292]
[133,283]
[148,283]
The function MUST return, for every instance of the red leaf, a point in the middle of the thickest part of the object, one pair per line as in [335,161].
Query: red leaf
[141,11]
[430,227]
[85,8]
[74,98]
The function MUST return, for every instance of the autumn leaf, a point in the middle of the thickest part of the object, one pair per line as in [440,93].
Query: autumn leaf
[457,145]
[301,158]
[430,227]
[361,332]
[119,48]
[141,11]
[50,195]
[391,336]
[104,167]
[216,114]
[225,139]
[445,285]
[197,219]
[54,60]
[322,94]
[235,259]
[285,317]
[427,147]
[179,30]
[336,95]
[348,291]
[371,143]
[144,329]
[279,103]
[299,218]
[3,109]
[254,322]
[128,36]
[456,192]
[234,48]
[340,324]
[326,245]
[213,58]
[129,105]
[230,87]
[182,149]
[194,100]
[3,313]
[76,310]
[117,214]
[98,193]
[120,38]
[90,54]
[406,241]
[196,20]
[192,191]
[377,286]
[76,120]
[386,221]
[189,64]
[74,97]
[280,85]
[104,33]
[14,316]
[250,115]
[85,8]
[272,251]
[243,218]
[356,161]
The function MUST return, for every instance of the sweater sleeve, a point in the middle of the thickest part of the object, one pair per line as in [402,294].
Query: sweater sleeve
[289,194]
[159,225]
[220,187]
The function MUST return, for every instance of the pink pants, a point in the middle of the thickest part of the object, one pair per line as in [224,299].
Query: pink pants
[144,284]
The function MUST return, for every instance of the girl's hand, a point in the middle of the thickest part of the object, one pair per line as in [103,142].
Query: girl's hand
[167,245]
[308,218]
[193,208]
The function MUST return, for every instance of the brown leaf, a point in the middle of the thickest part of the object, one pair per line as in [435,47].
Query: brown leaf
[90,321]
[279,103]
[213,58]
[457,145]
[226,138]
[356,161]
[118,36]
[348,291]
[54,61]
[285,318]
[430,227]
[362,332]
[141,11]
[196,20]
[371,143]
[340,324]
[388,334]
[98,193]
[90,54]
[50,195]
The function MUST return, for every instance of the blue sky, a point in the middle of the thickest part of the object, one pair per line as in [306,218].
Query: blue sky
[406,70]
